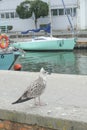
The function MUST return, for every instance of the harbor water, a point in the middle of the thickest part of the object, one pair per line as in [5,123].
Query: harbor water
[57,62]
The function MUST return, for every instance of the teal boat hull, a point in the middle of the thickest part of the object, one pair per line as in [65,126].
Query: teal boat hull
[47,45]
[7,60]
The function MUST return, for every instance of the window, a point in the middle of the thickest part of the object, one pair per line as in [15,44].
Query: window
[54,12]
[16,15]
[3,28]
[12,14]
[7,15]
[73,12]
[2,15]
[61,11]
[68,11]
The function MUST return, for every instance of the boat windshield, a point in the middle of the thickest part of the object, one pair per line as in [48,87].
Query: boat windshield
[40,38]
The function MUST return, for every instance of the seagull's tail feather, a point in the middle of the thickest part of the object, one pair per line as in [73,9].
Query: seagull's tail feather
[20,100]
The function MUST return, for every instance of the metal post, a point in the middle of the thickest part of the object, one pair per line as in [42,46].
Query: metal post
[50,18]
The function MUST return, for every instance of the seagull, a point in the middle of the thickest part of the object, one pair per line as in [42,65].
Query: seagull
[35,89]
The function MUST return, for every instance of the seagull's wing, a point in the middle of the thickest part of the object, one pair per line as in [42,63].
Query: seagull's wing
[23,98]
[34,90]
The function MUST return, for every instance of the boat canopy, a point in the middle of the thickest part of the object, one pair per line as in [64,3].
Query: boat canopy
[46,29]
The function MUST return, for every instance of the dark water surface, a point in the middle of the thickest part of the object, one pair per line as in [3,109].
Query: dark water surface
[57,62]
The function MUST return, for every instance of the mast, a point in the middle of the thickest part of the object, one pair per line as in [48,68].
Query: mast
[67,16]
[50,19]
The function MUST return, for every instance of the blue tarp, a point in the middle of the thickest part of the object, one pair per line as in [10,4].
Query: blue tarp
[46,29]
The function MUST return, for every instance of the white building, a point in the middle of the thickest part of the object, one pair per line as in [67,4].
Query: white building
[76,10]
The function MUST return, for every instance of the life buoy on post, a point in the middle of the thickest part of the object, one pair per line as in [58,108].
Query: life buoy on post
[4,41]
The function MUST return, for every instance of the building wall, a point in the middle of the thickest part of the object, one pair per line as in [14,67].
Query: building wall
[81,14]
[85,13]
[59,22]
[17,23]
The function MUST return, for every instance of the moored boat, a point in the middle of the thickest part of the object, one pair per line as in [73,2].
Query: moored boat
[47,44]
[7,59]
[7,54]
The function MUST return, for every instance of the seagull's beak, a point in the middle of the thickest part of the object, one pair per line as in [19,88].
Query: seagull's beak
[48,73]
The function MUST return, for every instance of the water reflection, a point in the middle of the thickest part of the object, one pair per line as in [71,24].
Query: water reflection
[57,62]
[81,62]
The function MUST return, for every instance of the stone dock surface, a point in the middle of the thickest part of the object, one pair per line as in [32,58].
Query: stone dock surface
[65,96]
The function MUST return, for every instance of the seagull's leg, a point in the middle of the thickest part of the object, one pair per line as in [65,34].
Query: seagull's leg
[35,101]
[39,103]
[39,100]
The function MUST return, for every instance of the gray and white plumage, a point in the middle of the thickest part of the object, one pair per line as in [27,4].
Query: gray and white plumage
[35,89]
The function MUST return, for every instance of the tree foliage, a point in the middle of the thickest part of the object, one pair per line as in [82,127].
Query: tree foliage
[27,8]
[23,10]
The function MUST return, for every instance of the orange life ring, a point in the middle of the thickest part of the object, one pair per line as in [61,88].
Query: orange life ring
[4,41]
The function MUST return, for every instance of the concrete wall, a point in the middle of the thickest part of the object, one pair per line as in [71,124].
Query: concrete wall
[65,98]
[18,24]
[9,5]
[81,14]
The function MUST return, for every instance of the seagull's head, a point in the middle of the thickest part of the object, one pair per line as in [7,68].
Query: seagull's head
[43,72]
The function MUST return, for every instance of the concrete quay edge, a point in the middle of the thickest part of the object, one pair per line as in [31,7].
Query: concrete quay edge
[42,121]
[65,95]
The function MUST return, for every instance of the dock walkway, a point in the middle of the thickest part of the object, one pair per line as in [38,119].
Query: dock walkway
[65,95]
